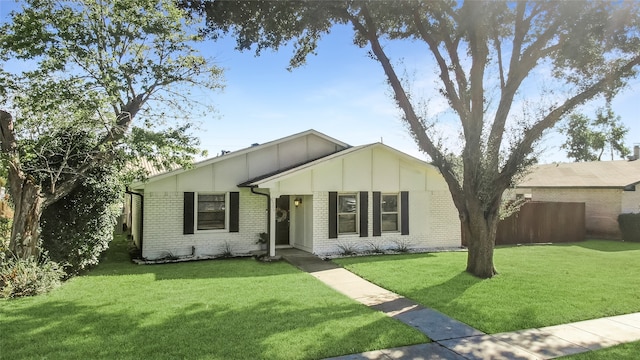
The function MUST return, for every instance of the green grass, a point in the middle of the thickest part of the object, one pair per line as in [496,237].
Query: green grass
[222,309]
[536,286]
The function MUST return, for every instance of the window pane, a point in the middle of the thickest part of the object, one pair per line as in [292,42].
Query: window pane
[211,211]
[210,220]
[389,203]
[347,223]
[210,205]
[347,204]
[389,222]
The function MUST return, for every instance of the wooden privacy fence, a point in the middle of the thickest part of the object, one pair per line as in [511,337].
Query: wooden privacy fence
[543,222]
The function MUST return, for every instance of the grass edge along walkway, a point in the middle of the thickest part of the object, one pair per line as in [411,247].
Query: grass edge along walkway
[455,340]
[537,286]
[617,351]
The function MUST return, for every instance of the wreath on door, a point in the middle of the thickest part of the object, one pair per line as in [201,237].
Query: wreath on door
[281,215]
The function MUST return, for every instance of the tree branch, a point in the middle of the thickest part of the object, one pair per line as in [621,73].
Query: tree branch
[416,126]
[455,97]
[519,68]
[524,148]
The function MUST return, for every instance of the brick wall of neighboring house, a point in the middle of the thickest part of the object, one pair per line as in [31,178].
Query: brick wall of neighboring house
[435,230]
[163,227]
[631,201]
[602,207]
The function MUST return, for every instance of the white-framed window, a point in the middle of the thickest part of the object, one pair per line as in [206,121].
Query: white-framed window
[347,213]
[211,211]
[389,212]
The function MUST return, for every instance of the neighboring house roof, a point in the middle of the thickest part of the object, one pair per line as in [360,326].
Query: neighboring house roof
[162,174]
[285,173]
[151,168]
[595,174]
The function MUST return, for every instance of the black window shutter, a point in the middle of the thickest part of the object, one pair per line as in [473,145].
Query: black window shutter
[188,213]
[364,214]
[404,213]
[333,215]
[234,211]
[377,217]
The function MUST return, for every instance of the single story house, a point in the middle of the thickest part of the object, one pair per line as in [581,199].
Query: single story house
[608,188]
[307,191]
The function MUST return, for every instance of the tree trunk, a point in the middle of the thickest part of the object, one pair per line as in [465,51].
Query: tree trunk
[25,233]
[480,233]
[26,194]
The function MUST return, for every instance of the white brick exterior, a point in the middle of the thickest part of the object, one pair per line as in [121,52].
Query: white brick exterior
[433,219]
[432,225]
[163,227]
[444,220]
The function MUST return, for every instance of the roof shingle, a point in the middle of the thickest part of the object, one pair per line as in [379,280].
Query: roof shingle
[595,174]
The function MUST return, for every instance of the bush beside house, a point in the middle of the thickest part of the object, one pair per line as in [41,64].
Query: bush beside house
[630,226]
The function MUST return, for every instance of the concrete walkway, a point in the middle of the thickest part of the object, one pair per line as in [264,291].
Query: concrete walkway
[455,340]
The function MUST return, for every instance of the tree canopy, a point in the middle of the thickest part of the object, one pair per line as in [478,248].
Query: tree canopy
[487,55]
[76,75]
[588,139]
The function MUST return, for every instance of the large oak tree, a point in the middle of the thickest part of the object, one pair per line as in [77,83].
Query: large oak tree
[76,76]
[484,53]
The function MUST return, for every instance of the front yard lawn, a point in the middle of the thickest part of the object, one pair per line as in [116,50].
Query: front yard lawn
[537,285]
[223,309]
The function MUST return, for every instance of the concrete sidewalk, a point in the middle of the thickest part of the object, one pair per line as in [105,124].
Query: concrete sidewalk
[455,340]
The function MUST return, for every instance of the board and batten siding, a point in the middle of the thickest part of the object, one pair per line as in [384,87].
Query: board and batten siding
[164,226]
[375,168]
[224,173]
[363,171]
[432,221]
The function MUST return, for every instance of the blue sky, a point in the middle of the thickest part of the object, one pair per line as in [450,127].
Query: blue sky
[340,92]
[343,93]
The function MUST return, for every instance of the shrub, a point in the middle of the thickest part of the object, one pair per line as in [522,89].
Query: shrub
[347,248]
[28,277]
[5,233]
[77,228]
[630,226]
[226,251]
[401,246]
[375,248]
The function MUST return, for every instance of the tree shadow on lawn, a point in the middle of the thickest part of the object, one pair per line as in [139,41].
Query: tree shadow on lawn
[448,291]
[268,330]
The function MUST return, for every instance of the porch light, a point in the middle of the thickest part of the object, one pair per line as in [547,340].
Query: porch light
[297,202]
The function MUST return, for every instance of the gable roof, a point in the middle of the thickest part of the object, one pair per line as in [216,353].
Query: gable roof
[595,174]
[161,175]
[285,173]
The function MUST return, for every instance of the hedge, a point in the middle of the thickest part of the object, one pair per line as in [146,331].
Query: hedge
[630,226]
